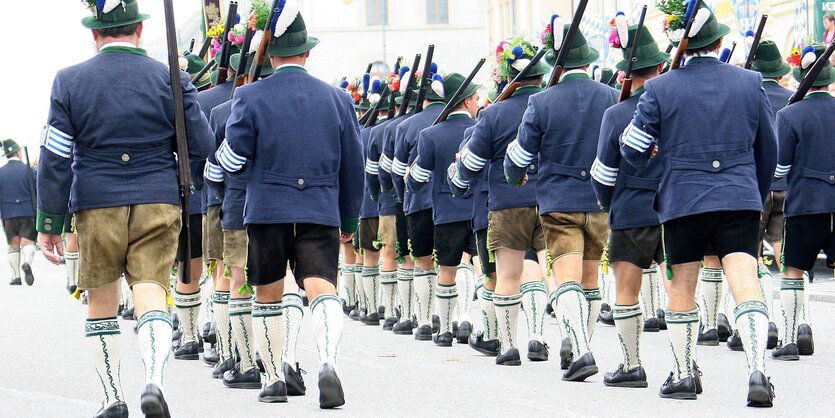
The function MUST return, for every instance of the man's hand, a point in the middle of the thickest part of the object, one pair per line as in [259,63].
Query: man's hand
[523,182]
[654,151]
[344,237]
[51,246]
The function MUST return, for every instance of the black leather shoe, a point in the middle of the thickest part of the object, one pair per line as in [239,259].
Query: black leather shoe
[347,309]
[117,409]
[424,333]
[580,369]
[388,324]
[443,340]
[635,378]
[211,357]
[176,335]
[651,325]
[209,333]
[354,314]
[372,319]
[488,347]
[760,391]
[295,382]
[187,351]
[662,319]
[711,338]
[606,318]
[381,311]
[788,352]
[549,309]
[566,354]
[363,315]
[236,379]
[772,336]
[259,363]
[330,388]
[684,389]
[454,329]
[27,274]
[735,342]
[697,378]
[805,343]
[175,321]
[723,328]
[403,327]
[537,351]
[128,314]
[436,324]
[465,330]
[15,282]
[274,393]
[153,404]
[510,358]
[222,367]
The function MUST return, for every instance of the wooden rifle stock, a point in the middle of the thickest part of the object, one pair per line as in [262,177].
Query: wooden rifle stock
[626,88]
[183,167]
[516,82]
[407,94]
[457,95]
[240,72]
[752,54]
[425,79]
[685,39]
[261,53]
[813,73]
[562,57]
[227,46]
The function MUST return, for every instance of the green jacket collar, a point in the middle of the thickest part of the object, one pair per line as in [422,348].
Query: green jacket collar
[817,94]
[637,91]
[124,47]
[574,75]
[290,67]
[525,89]
[433,104]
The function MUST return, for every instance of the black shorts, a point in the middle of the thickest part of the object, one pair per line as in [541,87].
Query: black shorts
[452,240]
[530,254]
[805,237]
[487,267]
[687,239]
[368,234]
[402,228]
[20,227]
[421,233]
[639,246]
[68,224]
[311,250]
[195,223]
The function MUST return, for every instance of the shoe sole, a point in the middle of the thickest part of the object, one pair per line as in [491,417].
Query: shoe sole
[581,374]
[565,359]
[330,392]
[400,332]
[449,344]
[652,329]
[736,348]
[538,356]
[510,363]
[759,397]
[254,385]
[805,346]
[273,399]
[423,337]
[639,384]
[682,396]
[187,357]
[486,352]
[711,343]
[787,357]
[153,406]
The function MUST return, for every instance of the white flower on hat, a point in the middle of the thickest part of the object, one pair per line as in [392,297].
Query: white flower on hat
[287,12]
[699,21]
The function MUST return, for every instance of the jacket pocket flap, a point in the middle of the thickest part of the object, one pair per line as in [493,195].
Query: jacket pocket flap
[828,177]
[642,183]
[581,173]
[711,165]
[299,182]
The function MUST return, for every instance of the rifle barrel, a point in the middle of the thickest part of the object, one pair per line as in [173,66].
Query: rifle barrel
[203,70]
[813,73]
[626,89]
[565,47]
[407,94]
[240,72]
[425,79]
[225,49]
[457,95]
[752,54]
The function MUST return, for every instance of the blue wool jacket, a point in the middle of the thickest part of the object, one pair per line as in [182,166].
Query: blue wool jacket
[495,129]
[371,189]
[778,97]
[478,187]
[209,99]
[15,196]
[562,125]
[628,192]
[390,182]
[405,152]
[714,123]
[109,142]
[807,155]
[380,186]
[230,190]
[301,140]
[437,147]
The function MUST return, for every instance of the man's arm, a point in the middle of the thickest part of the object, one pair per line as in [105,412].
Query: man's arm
[372,165]
[386,144]
[604,170]
[421,170]
[641,135]
[350,171]
[522,151]
[765,146]
[788,144]
[213,173]
[477,152]
[200,137]
[239,143]
[400,161]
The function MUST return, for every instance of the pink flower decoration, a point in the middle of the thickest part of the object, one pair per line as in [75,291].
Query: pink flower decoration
[614,39]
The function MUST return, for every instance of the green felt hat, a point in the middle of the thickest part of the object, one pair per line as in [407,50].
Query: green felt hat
[711,31]
[412,99]
[579,54]
[195,64]
[826,76]
[768,61]
[363,104]
[294,40]
[512,71]
[647,55]
[10,147]
[235,61]
[125,13]
[452,83]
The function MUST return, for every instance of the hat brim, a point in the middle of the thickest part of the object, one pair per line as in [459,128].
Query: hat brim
[701,43]
[784,69]
[661,58]
[90,22]
[282,51]
[551,59]
[539,69]
[471,89]
[430,94]
[817,83]
[203,83]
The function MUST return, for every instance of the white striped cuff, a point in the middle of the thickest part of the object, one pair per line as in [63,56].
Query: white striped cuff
[227,158]
[419,174]
[637,139]
[59,143]
[398,167]
[471,161]
[213,172]
[385,163]
[604,174]
[459,182]
[371,167]
[518,155]
[782,171]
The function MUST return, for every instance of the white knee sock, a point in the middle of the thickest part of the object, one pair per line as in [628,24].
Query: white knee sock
[327,326]
[649,298]
[347,279]
[188,309]
[806,316]
[71,262]
[465,282]
[424,281]
[406,291]
[154,335]
[593,297]
[766,281]
[28,252]
[573,315]
[371,287]
[488,311]
[14,261]
[269,335]
[711,294]
[791,296]
[358,287]
[507,315]
[240,316]
[388,283]
[684,332]
[225,342]
[102,337]
[445,299]
[752,323]
[534,301]
[291,321]
[630,325]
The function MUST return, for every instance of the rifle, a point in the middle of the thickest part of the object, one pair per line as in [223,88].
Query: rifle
[566,43]
[407,94]
[727,59]
[191,46]
[667,64]
[370,117]
[392,102]
[752,53]
[813,73]
[33,192]
[626,88]
[206,68]
[425,79]
[516,82]
[183,168]
[690,17]
[448,108]
[261,53]
[240,72]
[205,48]
[223,62]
